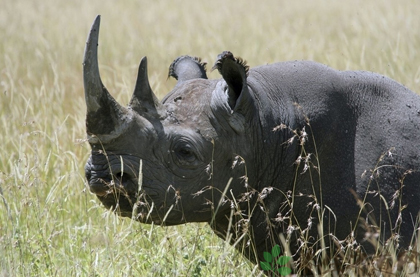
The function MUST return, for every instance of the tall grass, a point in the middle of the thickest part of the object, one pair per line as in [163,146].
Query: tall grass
[50,225]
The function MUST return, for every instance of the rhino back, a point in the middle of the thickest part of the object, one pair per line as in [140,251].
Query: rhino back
[376,112]
[362,127]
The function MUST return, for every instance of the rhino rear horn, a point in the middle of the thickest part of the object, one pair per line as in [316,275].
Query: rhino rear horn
[143,100]
[103,112]
[186,68]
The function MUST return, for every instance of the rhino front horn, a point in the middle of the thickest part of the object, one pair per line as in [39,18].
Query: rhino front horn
[103,112]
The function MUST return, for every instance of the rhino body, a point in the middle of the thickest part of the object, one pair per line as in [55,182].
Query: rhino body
[262,152]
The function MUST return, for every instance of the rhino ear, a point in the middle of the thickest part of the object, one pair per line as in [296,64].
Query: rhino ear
[234,71]
[186,68]
[232,102]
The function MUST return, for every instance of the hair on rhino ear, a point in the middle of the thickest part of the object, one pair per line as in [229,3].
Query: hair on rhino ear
[186,68]
[221,58]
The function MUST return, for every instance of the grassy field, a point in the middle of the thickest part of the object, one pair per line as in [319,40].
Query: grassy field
[50,224]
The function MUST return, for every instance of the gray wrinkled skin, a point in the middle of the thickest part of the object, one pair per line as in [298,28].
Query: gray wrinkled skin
[211,147]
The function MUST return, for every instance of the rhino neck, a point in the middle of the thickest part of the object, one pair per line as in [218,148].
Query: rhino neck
[274,126]
[269,161]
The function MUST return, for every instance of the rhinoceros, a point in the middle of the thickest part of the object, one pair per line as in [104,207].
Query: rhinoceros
[264,153]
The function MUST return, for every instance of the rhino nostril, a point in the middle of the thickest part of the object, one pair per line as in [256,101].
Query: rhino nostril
[125,181]
[121,177]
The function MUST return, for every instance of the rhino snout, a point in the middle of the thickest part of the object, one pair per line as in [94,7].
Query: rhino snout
[111,174]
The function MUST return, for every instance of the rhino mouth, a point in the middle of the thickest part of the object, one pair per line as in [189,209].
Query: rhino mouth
[114,180]
[115,184]
[118,183]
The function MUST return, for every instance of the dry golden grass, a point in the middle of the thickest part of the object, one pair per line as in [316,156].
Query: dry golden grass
[49,223]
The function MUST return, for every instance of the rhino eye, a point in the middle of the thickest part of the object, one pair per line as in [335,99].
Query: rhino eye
[184,154]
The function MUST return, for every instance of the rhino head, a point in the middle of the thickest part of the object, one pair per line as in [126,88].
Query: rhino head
[166,162]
